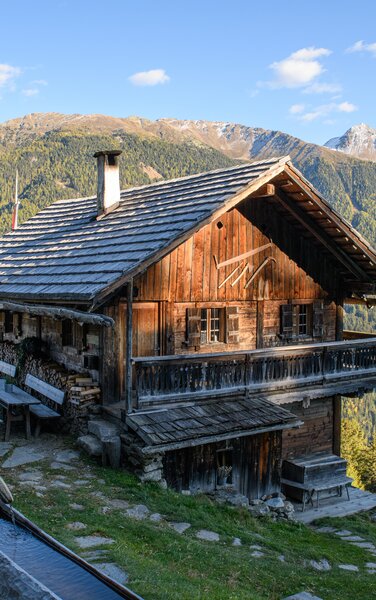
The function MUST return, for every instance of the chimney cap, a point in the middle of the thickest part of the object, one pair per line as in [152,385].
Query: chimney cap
[107,153]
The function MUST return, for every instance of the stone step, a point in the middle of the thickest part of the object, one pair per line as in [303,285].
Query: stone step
[91,444]
[103,430]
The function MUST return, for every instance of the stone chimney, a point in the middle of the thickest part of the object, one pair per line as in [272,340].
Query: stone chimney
[108,192]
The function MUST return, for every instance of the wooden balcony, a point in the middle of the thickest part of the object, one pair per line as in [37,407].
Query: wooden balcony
[333,367]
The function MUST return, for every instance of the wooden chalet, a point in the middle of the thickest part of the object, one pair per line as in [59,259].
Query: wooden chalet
[209,307]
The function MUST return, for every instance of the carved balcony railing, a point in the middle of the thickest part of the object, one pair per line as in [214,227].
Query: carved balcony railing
[174,378]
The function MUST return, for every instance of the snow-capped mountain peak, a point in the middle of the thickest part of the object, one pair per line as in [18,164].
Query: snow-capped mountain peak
[359,140]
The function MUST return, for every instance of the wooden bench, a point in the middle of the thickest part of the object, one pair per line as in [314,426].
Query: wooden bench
[42,412]
[310,489]
[7,368]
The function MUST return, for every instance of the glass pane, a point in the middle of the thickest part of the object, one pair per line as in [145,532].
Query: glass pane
[303,319]
[214,325]
[204,325]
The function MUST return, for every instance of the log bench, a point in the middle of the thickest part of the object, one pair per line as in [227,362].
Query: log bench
[41,411]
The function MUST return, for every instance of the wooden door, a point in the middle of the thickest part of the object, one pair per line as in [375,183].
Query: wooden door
[145,329]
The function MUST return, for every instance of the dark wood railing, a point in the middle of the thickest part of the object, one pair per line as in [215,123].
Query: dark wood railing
[177,377]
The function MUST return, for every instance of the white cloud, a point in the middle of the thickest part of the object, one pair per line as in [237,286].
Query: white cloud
[296,109]
[299,69]
[347,107]
[325,110]
[361,46]
[153,77]
[30,92]
[42,82]
[8,74]
[323,88]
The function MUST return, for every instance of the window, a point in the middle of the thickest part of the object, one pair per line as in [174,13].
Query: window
[297,320]
[67,332]
[212,325]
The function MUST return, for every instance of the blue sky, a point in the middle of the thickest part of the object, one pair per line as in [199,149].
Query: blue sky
[307,68]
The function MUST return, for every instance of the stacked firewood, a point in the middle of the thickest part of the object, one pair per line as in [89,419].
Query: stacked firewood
[83,390]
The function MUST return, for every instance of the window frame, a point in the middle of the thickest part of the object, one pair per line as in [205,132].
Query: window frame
[209,316]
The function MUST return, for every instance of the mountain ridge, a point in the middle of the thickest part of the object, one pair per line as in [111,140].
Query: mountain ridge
[358,141]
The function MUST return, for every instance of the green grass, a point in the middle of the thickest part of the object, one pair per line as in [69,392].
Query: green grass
[165,565]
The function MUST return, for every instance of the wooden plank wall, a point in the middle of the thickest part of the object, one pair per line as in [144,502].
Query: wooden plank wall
[255,461]
[317,432]
[189,274]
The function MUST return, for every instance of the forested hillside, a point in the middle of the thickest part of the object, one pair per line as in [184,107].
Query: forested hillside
[61,165]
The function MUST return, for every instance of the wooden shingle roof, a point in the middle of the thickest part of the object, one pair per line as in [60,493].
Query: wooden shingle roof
[210,421]
[64,253]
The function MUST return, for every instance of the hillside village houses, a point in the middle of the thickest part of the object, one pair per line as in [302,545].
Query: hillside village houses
[209,309]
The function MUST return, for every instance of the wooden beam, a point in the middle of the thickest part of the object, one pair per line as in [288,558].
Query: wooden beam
[321,235]
[58,312]
[266,190]
[337,410]
[128,352]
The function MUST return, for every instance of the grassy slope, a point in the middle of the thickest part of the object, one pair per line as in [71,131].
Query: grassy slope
[165,565]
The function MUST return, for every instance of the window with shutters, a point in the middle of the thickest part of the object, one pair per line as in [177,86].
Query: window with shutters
[298,320]
[212,325]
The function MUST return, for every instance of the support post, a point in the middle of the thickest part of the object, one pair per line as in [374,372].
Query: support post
[337,414]
[128,365]
[339,319]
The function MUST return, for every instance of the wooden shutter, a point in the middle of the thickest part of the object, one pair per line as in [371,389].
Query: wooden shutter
[287,321]
[194,327]
[318,319]
[232,325]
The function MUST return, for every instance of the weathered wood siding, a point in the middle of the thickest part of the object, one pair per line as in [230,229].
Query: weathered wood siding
[317,432]
[189,273]
[255,462]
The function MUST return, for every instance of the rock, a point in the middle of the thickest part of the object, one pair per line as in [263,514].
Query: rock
[236,542]
[208,536]
[113,571]
[371,572]
[273,495]
[138,512]
[118,504]
[348,568]
[320,565]
[326,529]
[102,429]
[365,545]
[155,518]
[90,444]
[60,484]
[303,596]
[81,482]
[289,507]
[61,466]
[151,476]
[75,506]
[5,447]
[257,554]
[353,538]
[371,565]
[34,476]
[179,527]
[23,456]
[275,503]
[282,558]
[256,502]
[67,456]
[343,532]
[94,555]
[259,509]
[76,526]
[90,541]
[255,547]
